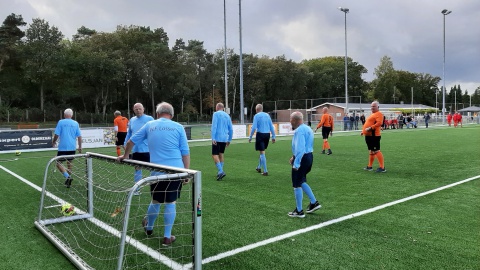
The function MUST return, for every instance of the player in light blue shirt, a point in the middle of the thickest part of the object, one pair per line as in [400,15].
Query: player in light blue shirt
[262,123]
[222,133]
[167,143]
[140,150]
[68,130]
[301,161]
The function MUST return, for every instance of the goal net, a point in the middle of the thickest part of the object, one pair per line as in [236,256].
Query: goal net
[105,230]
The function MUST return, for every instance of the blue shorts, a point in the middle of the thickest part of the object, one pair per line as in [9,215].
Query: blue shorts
[300,176]
[261,141]
[219,148]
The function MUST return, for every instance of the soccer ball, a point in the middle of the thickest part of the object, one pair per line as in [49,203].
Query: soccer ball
[68,209]
[18,153]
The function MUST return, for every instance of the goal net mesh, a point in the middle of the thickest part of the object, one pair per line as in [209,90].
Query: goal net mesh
[105,231]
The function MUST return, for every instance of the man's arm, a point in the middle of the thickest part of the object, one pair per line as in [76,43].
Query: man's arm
[54,141]
[128,148]
[186,161]
[79,140]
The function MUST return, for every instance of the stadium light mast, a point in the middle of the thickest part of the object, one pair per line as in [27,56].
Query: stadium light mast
[345,10]
[227,110]
[445,12]
[241,62]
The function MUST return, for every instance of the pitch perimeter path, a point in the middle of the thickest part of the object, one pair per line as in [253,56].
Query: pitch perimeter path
[293,233]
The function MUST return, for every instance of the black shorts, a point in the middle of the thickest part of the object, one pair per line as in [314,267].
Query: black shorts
[120,138]
[326,132]
[66,153]
[219,148]
[261,141]
[300,176]
[143,156]
[166,191]
[373,142]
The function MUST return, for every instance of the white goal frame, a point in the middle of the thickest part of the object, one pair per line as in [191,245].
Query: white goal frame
[42,224]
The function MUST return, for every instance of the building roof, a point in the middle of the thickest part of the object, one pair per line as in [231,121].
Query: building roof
[366,106]
[470,109]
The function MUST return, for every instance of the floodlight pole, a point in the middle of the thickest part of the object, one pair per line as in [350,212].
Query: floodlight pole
[225,55]
[445,12]
[241,62]
[345,10]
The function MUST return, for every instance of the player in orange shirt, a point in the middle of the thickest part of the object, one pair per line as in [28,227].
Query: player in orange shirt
[327,128]
[120,124]
[371,131]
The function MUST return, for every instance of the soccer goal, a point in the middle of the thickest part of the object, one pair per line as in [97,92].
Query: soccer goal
[105,230]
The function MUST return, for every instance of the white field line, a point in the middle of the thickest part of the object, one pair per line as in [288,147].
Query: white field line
[138,245]
[280,237]
[327,223]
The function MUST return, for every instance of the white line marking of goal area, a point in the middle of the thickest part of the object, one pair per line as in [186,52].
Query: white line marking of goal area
[136,244]
[327,223]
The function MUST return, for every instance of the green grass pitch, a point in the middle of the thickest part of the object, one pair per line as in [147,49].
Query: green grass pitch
[437,231]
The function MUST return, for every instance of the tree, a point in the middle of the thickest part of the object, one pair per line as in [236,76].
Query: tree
[42,52]
[10,36]
[383,84]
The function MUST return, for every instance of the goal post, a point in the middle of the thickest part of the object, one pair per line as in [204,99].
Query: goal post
[106,230]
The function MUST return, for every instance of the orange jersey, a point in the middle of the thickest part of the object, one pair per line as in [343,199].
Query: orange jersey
[326,121]
[121,122]
[374,121]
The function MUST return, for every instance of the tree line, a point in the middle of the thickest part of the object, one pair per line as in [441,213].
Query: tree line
[99,73]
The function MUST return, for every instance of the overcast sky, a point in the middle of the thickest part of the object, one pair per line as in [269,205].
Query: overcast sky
[410,32]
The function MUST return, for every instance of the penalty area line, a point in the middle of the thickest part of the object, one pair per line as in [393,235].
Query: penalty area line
[330,222]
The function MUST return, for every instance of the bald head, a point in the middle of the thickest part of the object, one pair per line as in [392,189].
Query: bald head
[325,109]
[296,119]
[138,109]
[219,107]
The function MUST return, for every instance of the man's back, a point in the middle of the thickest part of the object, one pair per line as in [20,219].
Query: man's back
[222,130]
[121,122]
[68,130]
[263,123]
[167,142]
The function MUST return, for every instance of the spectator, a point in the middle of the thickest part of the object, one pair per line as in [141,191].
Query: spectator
[427,118]
[346,122]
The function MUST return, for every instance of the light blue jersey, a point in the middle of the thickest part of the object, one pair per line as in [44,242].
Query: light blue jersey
[222,130]
[302,143]
[167,142]
[134,125]
[68,130]
[262,123]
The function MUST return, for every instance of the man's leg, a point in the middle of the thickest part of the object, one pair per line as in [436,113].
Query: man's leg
[169,218]
[216,160]
[152,213]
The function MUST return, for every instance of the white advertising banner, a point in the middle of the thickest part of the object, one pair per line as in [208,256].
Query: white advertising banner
[92,138]
[285,128]
[239,131]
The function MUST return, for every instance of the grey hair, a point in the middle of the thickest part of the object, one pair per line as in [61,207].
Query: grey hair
[165,107]
[117,113]
[377,103]
[259,107]
[68,112]
[296,115]
[220,106]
